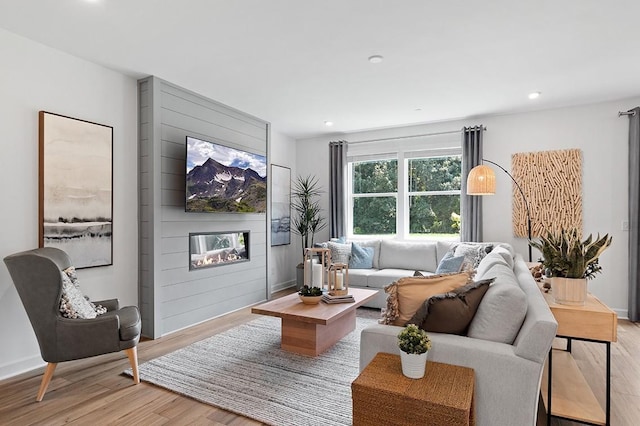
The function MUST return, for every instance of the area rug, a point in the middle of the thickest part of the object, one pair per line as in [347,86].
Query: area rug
[243,370]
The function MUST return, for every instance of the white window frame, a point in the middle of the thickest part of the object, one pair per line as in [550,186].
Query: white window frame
[403,195]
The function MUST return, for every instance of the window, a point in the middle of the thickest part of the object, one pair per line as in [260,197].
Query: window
[405,194]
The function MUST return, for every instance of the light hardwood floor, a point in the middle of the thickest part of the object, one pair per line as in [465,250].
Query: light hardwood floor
[93,391]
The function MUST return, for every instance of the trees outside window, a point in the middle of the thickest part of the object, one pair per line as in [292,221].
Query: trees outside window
[410,196]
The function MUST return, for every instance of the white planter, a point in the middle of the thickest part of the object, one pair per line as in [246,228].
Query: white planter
[569,291]
[413,365]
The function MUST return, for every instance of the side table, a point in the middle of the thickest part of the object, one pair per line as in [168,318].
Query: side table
[569,395]
[383,396]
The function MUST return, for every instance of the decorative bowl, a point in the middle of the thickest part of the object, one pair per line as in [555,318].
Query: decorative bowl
[310,300]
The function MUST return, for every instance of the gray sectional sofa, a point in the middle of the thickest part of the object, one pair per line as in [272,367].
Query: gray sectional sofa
[506,344]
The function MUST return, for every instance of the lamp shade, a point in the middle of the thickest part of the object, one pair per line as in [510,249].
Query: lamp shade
[481,181]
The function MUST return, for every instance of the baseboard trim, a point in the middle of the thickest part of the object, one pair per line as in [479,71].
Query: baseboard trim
[281,286]
[22,366]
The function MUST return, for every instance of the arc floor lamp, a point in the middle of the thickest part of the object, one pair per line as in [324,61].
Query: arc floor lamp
[482,181]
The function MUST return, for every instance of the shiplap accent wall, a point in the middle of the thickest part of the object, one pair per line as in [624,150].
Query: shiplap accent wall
[171,296]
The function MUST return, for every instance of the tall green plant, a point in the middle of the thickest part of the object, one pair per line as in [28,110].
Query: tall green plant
[307,218]
[564,254]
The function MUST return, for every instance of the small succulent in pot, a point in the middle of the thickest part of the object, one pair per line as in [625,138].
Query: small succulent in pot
[310,291]
[413,340]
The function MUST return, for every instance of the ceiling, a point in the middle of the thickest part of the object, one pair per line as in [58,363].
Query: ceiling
[299,63]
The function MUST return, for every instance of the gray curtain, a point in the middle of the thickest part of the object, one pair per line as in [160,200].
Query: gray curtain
[337,170]
[634,215]
[471,206]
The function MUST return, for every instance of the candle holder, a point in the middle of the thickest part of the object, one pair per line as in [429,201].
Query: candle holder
[316,266]
[338,284]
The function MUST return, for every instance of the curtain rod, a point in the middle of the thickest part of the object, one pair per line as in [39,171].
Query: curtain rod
[621,113]
[413,136]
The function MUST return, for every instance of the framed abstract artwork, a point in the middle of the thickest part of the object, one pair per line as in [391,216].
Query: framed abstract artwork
[280,205]
[75,185]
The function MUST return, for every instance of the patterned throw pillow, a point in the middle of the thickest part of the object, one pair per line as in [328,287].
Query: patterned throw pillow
[473,253]
[405,296]
[73,304]
[340,253]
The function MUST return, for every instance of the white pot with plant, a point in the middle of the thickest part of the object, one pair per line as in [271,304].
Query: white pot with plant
[307,217]
[569,262]
[414,344]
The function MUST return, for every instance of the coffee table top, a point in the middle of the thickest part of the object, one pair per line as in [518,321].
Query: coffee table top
[291,307]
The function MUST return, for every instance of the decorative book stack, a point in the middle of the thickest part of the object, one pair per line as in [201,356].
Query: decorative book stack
[343,298]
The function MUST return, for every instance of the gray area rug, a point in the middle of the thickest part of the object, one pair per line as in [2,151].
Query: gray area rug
[243,370]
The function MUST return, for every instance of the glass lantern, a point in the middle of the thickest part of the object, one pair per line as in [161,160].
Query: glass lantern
[316,266]
[338,284]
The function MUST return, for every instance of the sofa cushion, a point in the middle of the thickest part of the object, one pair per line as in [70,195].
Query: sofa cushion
[451,312]
[405,296]
[502,311]
[360,277]
[361,257]
[449,264]
[420,256]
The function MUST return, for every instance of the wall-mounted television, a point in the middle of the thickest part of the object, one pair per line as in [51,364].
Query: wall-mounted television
[224,179]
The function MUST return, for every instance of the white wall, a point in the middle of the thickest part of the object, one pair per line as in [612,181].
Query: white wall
[34,78]
[595,129]
[283,259]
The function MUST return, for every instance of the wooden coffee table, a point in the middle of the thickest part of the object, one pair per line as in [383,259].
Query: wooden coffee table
[312,329]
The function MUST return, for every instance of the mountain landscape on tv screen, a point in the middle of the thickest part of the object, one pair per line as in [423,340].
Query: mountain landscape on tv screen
[214,187]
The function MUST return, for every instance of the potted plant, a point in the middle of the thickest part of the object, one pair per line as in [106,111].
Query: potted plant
[307,217]
[310,295]
[569,261]
[414,344]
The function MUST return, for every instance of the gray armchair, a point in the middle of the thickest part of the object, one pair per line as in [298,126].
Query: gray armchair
[36,275]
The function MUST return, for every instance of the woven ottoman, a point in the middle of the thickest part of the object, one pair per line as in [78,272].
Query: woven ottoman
[383,396]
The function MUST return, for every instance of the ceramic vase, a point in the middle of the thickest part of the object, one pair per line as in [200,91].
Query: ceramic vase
[413,365]
[569,291]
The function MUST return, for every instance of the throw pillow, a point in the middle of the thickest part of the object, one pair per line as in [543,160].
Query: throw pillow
[340,253]
[418,274]
[472,252]
[450,263]
[73,304]
[451,312]
[361,257]
[406,295]
[341,240]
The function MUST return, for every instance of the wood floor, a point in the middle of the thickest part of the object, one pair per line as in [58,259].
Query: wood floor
[94,391]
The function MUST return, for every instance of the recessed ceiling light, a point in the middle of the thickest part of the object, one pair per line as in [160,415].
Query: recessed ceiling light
[534,95]
[328,123]
[375,59]
[418,109]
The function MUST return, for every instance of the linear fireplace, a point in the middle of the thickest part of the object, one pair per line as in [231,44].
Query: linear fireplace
[210,249]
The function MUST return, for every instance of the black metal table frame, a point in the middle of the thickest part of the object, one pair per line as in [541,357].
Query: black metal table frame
[608,380]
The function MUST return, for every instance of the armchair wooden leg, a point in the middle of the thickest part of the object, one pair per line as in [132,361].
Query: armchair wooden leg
[132,354]
[46,378]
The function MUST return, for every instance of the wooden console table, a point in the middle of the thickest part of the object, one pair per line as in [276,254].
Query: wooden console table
[572,398]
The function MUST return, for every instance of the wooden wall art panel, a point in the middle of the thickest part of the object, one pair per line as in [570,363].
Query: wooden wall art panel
[552,183]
